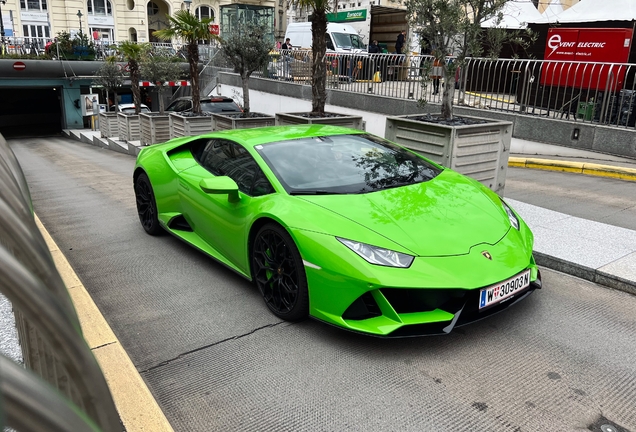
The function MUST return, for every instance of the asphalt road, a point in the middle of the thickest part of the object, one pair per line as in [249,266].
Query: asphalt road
[604,200]
[216,359]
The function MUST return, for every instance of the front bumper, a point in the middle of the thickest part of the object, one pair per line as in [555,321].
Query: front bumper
[433,296]
[456,308]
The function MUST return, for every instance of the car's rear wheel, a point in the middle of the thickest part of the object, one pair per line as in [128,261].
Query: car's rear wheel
[279,273]
[146,205]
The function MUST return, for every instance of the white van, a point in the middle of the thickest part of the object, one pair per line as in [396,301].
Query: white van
[339,37]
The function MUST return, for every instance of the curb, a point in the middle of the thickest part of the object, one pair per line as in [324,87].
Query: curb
[583,272]
[137,408]
[593,169]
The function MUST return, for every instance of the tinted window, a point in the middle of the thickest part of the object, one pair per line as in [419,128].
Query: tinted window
[179,106]
[344,164]
[220,107]
[329,42]
[226,158]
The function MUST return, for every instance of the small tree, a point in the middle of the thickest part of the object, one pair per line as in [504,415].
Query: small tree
[247,49]
[157,67]
[111,77]
[187,27]
[133,53]
[454,27]
[318,50]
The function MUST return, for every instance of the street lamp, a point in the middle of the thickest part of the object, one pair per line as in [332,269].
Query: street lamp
[187,3]
[79,15]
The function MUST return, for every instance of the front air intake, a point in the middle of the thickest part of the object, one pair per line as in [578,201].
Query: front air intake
[364,307]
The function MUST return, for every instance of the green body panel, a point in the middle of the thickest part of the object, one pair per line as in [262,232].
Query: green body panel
[446,223]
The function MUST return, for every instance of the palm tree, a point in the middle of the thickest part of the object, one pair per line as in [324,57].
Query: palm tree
[318,49]
[133,54]
[187,27]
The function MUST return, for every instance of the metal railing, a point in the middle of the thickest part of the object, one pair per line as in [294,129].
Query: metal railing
[71,393]
[597,93]
[23,46]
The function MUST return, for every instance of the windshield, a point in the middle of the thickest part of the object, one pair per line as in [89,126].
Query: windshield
[344,164]
[348,40]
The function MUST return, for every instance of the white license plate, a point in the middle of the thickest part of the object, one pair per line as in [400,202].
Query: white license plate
[503,290]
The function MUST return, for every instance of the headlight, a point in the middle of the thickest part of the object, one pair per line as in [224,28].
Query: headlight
[511,215]
[379,256]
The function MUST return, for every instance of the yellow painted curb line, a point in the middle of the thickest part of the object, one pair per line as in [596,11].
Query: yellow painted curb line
[137,407]
[485,96]
[575,167]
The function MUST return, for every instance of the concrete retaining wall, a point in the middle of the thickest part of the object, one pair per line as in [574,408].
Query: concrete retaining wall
[584,136]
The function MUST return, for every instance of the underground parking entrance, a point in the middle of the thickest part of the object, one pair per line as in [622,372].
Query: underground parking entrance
[30,111]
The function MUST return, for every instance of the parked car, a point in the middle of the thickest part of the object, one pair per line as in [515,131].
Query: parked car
[341,225]
[215,105]
[129,108]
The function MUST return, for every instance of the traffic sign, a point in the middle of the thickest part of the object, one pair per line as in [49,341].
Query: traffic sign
[19,66]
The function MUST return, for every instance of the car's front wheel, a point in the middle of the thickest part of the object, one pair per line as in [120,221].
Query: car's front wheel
[279,273]
[146,205]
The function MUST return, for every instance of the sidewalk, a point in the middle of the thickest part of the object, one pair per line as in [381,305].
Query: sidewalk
[601,253]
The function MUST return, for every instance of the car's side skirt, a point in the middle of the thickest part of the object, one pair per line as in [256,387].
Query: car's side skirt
[195,240]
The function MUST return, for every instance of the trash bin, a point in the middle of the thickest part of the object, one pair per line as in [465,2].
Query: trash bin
[585,110]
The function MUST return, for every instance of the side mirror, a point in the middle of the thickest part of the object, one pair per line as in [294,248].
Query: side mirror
[222,185]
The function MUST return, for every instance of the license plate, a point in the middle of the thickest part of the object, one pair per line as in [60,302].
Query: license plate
[504,290]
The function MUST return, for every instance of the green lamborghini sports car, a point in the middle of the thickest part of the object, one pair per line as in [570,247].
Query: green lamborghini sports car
[340,225]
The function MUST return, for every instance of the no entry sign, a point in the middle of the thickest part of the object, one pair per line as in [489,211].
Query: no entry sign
[19,66]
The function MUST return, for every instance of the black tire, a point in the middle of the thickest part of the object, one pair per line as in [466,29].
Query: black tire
[146,205]
[279,273]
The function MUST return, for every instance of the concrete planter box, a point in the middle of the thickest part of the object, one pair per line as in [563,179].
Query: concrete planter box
[128,127]
[187,126]
[479,151]
[223,122]
[108,124]
[155,128]
[350,121]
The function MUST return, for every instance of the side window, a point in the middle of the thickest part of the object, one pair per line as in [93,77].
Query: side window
[226,158]
[329,42]
[178,106]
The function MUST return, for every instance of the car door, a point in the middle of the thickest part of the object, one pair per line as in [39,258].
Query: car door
[221,223]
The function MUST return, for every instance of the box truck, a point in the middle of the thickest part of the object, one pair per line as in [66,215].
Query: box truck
[339,37]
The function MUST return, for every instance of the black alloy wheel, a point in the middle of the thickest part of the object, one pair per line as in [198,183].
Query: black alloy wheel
[279,273]
[146,206]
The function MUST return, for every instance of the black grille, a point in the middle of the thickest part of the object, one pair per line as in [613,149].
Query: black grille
[364,307]
[406,300]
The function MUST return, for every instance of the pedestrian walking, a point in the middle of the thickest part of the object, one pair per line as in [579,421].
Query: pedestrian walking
[286,47]
[374,48]
[399,43]
[436,74]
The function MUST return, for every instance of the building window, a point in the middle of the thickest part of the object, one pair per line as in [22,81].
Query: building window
[36,33]
[205,12]
[153,9]
[99,7]
[38,5]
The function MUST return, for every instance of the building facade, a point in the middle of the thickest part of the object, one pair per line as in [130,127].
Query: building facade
[108,21]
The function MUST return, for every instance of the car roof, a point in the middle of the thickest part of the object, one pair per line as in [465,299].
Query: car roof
[255,136]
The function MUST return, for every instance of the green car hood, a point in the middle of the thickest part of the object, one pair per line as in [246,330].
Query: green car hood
[444,216]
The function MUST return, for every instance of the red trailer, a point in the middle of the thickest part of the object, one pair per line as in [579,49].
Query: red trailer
[565,47]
